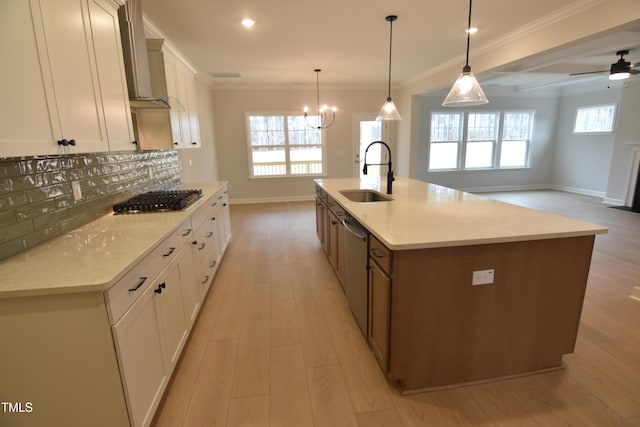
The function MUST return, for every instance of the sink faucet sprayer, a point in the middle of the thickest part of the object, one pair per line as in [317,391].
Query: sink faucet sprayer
[390,177]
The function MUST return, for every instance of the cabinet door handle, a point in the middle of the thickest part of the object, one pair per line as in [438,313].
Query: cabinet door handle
[194,143]
[202,246]
[206,279]
[376,254]
[220,197]
[213,264]
[171,250]
[209,234]
[186,233]
[140,283]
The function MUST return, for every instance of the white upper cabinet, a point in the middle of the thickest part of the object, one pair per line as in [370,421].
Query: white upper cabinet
[67,82]
[172,77]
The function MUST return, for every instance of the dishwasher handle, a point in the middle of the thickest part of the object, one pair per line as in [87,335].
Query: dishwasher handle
[352,231]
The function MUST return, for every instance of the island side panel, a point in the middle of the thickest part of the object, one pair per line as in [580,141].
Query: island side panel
[58,355]
[444,331]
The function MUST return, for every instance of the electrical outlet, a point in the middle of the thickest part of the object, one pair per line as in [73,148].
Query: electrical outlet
[482,277]
[77,192]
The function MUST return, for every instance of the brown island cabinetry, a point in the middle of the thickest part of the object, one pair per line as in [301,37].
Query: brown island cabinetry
[433,322]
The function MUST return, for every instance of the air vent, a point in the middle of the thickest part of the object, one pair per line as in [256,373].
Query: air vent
[226,75]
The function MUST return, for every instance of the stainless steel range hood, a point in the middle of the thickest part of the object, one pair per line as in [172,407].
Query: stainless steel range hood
[136,62]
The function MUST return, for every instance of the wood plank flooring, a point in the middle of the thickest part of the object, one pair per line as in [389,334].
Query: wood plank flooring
[276,345]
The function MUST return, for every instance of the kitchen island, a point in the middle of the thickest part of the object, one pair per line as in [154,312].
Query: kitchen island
[465,289]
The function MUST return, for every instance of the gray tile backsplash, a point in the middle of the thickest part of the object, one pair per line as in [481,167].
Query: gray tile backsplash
[36,196]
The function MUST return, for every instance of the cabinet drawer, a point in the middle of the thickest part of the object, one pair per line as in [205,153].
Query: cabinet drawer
[184,233]
[127,290]
[204,212]
[381,254]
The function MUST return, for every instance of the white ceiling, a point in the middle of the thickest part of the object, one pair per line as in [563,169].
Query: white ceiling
[349,40]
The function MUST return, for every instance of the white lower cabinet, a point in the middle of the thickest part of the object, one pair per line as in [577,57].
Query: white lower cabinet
[141,357]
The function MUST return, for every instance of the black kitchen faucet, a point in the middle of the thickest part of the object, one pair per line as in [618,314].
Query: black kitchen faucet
[389,172]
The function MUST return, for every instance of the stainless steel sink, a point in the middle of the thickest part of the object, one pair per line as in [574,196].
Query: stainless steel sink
[365,196]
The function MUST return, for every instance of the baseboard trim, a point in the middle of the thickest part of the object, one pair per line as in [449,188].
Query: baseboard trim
[506,188]
[615,202]
[582,191]
[271,200]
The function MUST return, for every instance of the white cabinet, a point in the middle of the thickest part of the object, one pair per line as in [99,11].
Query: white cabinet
[141,357]
[152,321]
[173,77]
[222,219]
[70,83]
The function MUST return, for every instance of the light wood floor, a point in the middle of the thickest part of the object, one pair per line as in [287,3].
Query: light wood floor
[276,345]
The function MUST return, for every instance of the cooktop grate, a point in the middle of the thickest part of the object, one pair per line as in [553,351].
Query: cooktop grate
[155,201]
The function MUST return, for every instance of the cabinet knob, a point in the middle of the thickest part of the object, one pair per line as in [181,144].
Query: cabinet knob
[160,287]
[67,142]
[175,143]
[134,142]
[194,143]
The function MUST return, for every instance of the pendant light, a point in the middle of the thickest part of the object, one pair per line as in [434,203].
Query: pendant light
[323,120]
[389,110]
[466,91]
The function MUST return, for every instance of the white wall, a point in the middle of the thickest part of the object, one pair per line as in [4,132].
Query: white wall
[627,132]
[541,160]
[230,106]
[582,162]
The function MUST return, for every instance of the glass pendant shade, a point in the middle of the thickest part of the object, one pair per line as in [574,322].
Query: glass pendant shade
[466,91]
[389,111]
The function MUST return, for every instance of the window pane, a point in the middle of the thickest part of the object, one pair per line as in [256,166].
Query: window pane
[482,127]
[306,160]
[267,138]
[445,127]
[443,156]
[595,119]
[479,155]
[301,134]
[513,154]
[269,161]
[517,126]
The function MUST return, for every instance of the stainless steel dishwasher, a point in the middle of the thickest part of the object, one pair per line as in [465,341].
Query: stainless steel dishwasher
[356,244]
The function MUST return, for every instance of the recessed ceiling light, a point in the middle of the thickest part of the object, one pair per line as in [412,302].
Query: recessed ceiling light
[472,30]
[248,22]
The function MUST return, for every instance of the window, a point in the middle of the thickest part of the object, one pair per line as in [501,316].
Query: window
[597,118]
[283,145]
[446,137]
[516,135]
[480,140]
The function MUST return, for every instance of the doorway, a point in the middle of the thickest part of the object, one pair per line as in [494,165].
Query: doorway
[366,130]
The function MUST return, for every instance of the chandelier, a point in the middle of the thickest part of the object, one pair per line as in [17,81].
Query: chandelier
[326,115]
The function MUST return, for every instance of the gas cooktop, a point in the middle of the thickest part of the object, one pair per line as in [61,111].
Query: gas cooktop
[158,201]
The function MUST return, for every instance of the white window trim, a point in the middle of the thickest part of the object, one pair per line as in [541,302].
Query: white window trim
[288,174]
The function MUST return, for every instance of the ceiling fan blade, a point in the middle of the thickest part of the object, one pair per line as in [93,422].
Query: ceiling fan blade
[589,72]
[632,71]
[636,65]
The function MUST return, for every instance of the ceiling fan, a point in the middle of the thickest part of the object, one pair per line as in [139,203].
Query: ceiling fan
[619,70]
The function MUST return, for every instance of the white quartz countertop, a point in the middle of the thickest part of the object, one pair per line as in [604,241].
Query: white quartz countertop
[94,256]
[423,215]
